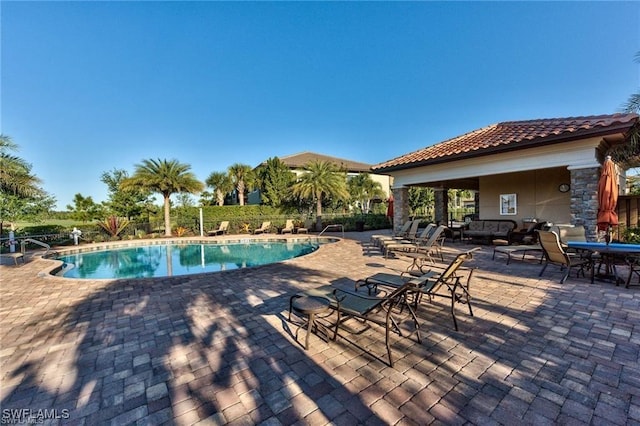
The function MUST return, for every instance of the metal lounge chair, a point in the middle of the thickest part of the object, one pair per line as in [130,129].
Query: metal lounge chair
[402,233]
[410,236]
[445,283]
[422,237]
[422,250]
[377,310]
[381,309]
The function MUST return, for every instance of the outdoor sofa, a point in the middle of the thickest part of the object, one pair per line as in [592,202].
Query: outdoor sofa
[487,230]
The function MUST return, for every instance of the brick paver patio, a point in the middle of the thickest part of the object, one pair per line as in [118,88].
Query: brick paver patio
[218,349]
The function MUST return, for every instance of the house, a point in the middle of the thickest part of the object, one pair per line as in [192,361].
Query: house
[546,169]
[296,163]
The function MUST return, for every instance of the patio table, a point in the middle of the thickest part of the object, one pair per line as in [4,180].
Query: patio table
[613,253]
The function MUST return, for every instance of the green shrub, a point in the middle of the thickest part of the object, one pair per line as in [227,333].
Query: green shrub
[631,235]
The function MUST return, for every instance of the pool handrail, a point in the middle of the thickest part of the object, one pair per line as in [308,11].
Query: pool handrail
[24,241]
[337,225]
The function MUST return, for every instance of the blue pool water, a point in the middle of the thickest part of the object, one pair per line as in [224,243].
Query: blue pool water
[173,259]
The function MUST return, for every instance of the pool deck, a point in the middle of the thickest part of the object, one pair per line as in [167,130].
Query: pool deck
[218,349]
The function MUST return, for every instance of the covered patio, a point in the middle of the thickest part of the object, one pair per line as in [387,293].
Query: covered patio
[547,169]
[217,348]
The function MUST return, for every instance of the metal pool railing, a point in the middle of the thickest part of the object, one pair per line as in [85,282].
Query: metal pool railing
[338,225]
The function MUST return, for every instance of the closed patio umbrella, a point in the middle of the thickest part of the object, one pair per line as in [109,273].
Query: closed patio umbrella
[390,208]
[607,197]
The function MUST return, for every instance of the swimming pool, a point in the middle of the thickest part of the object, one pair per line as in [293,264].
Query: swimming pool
[173,258]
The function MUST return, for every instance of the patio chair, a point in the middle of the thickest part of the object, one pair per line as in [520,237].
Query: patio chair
[264,228]
[434,283]
[402,232]
[288,227]
[554,253]
[222,229]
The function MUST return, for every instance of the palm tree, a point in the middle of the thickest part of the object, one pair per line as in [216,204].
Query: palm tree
[221,183]
[242,177]
[164,177]
[363,189]
[15,173]
[322,178]
[628,153]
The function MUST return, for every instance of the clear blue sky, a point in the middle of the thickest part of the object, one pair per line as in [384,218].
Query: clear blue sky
[88,87]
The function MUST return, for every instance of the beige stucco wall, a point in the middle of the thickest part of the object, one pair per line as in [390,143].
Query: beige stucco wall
[385,182]
[537,195]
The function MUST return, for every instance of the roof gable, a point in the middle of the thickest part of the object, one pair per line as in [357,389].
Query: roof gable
[511,135]
[298,161]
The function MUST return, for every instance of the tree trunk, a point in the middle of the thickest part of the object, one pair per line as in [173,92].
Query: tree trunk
[241,193]
[319,214]
[167,216]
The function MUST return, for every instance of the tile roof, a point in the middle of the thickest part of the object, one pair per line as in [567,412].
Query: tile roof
[298,161]
[511,135]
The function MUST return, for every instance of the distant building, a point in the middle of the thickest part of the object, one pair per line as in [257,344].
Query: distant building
[296,163]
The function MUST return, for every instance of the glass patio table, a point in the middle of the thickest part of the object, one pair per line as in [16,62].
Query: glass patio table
[612,254]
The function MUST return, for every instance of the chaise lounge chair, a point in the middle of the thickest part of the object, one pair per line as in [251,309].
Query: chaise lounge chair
[408,237]
[222,229]
[379,309]
[402,233]
[446,283]
[264,228]
[288,227]
[428,238]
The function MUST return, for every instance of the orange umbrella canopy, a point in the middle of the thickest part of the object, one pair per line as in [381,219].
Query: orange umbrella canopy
[607,196]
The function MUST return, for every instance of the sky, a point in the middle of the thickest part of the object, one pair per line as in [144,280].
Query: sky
[90,87]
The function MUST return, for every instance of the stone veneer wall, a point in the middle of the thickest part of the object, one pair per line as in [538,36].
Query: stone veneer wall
[584,199]
[400,207]
[441,206]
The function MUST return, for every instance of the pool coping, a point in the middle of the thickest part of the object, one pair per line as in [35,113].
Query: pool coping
[93,247]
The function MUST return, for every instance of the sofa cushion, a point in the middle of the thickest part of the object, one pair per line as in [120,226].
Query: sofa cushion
[491,227]
[503,229]
[476,225]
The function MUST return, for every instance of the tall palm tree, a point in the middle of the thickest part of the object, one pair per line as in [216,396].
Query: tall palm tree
[242,177]
[221,183]
[164,177]
[15,173]
[321,178]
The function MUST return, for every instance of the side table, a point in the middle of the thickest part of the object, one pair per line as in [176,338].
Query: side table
[309,307]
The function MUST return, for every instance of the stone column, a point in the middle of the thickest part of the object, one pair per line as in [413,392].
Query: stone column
[400,207]
[584,199]
[441,208]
